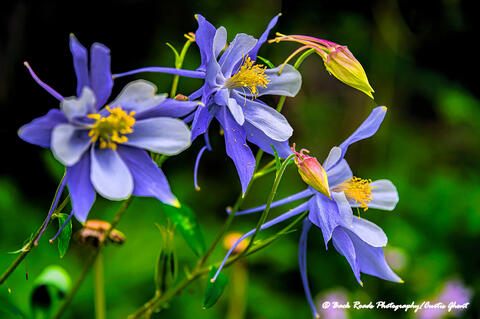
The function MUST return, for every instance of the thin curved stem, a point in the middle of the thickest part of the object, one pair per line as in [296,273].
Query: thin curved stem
[91,260]
[198,272]
[26,249]
[271,197]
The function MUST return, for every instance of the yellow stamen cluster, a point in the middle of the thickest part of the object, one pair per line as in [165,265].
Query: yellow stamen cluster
[356,189]
[110,129]
[249,76]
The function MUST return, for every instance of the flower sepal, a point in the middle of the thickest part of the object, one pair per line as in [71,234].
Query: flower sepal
[311,171]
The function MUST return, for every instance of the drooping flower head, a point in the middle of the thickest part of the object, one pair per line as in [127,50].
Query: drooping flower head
[359,240]
[104,147]
[338,60]
[233,82]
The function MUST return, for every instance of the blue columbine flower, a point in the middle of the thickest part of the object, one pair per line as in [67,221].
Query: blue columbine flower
[232,84]
[359,240]
[104,147]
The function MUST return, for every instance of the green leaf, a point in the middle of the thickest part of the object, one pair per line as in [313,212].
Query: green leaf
[188,226]
[277,159]
[49,289]
[214,290]
[6,306]
[65,235]
[267,62]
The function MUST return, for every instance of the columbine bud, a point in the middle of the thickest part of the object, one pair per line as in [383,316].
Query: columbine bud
[311,171]
[342,64]
[338,60]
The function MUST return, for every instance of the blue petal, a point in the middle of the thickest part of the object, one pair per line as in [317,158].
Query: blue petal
[257,137]
[302,262]
[80,63]
[201,121]
[148,178]
[138,96]
[109,174]
[343,244]
[366,129]
[253,53]
[160,135]
[384,195]
[280,202]
[288,83]
[265,118]
[219,41]
[169,108]
[235,52]
[369,232]
[101,80]
[80,187]
[74,107]
[204,39]
[69,143]
[236,146]
[371,260]
[339,173]
[325,215]
[39,131]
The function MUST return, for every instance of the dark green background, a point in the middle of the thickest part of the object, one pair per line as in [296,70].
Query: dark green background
[420,61]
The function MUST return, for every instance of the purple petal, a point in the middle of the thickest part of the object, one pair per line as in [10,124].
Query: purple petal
[80,63]
[265,118]
[138,96]
[253,53]
[169,108]
[162,135]
[236,52]
[325,215]
[148,178]
[201,121]
[343,244]
[371,260]
[288,83]
[280,202]
[257,137]
[109,174]
[69,143]
[155,69]
[366,129]
[101,80]
[368,232]
[219,41]
[204,39]
[302,262]
[39,131]
[77,107]
[384,195]
[236,146]
[80,187]
[44,85]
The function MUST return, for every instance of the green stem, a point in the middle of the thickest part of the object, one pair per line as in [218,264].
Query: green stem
[91,260]
[178,65]
[198,272]
[99,288]
[271,197]
[28,247]
[303,57]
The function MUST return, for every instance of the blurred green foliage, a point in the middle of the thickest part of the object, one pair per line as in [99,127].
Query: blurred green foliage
[428,146]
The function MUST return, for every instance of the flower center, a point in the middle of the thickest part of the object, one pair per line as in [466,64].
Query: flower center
[249,76]
[357,190]
[110,129]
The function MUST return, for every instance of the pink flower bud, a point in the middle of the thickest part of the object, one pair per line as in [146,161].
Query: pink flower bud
[342,64]
[311,171]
